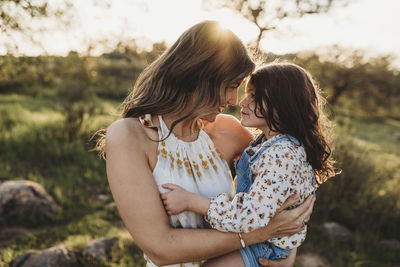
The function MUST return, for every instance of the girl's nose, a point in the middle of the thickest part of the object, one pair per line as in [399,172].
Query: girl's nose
[243,102]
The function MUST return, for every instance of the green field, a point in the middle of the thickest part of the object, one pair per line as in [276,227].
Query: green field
[365,197]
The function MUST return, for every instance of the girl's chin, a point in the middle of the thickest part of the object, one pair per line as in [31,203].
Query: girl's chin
[244,123]
[247,124]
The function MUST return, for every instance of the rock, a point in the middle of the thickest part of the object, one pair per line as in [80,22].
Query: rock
[337,231]
[100,248]
[56,256]
[25,199]
[102,198]
[311,260]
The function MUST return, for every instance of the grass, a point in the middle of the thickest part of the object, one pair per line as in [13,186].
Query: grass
[365,197]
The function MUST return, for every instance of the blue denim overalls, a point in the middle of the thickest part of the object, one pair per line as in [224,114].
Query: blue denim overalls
[244,181]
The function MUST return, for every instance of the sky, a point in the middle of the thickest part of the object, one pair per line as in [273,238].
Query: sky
[371,25]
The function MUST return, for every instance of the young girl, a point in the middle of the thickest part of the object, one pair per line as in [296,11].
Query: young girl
[290,156]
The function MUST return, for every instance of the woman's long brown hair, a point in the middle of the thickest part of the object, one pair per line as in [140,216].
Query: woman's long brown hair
[291,103]
[194,68]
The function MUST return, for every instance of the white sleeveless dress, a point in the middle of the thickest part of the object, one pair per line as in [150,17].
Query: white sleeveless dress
[196,166]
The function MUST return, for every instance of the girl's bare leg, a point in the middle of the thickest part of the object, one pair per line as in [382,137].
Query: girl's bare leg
[233,259]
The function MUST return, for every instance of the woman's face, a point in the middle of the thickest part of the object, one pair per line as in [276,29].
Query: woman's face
[248,111]
[228,96]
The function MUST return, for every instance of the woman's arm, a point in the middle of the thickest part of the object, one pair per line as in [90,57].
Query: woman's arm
[138,200]
[179,200]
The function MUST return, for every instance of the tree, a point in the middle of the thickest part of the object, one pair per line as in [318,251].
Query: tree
[267,14]
[14,12]
[350,78]
[25,17]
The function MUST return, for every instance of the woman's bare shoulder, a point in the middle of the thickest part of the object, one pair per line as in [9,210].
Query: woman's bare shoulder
[128,130]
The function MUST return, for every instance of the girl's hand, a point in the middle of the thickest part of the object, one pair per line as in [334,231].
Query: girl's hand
[175,201]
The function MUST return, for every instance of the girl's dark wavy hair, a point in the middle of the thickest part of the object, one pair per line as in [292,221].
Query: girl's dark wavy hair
[193,68]
[291,103]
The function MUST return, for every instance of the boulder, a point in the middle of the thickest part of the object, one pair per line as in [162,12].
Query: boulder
[312,260]
[25,200]
[100,248]
[102,198]
[337,231]
[53,257]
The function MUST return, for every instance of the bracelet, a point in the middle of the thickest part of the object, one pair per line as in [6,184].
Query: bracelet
[242,241]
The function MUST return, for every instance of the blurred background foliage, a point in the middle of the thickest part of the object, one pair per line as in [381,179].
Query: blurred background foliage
[50,106]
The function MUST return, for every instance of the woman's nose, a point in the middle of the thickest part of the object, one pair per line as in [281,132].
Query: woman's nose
[232,101]
[232,98]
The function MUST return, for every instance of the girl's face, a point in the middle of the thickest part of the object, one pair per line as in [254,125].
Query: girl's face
[248,111]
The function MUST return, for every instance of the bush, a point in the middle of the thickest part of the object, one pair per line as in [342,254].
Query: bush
[359,197]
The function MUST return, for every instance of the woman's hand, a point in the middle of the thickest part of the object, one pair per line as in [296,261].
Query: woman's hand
[284,222]
[289,222]
[175,201]
[288,262]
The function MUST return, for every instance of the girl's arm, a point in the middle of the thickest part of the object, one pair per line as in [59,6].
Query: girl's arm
[271,186]
[275,180]
[138,200]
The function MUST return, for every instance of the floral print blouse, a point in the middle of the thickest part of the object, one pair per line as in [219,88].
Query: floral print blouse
[280,171]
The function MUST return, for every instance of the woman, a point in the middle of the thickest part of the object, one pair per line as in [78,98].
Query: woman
[161,135]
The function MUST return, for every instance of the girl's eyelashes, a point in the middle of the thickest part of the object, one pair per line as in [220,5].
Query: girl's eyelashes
[250,93]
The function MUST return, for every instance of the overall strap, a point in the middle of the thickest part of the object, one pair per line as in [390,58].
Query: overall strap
[314,181]
[267,144]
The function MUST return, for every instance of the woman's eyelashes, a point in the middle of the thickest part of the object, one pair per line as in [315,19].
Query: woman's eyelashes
[235,85]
